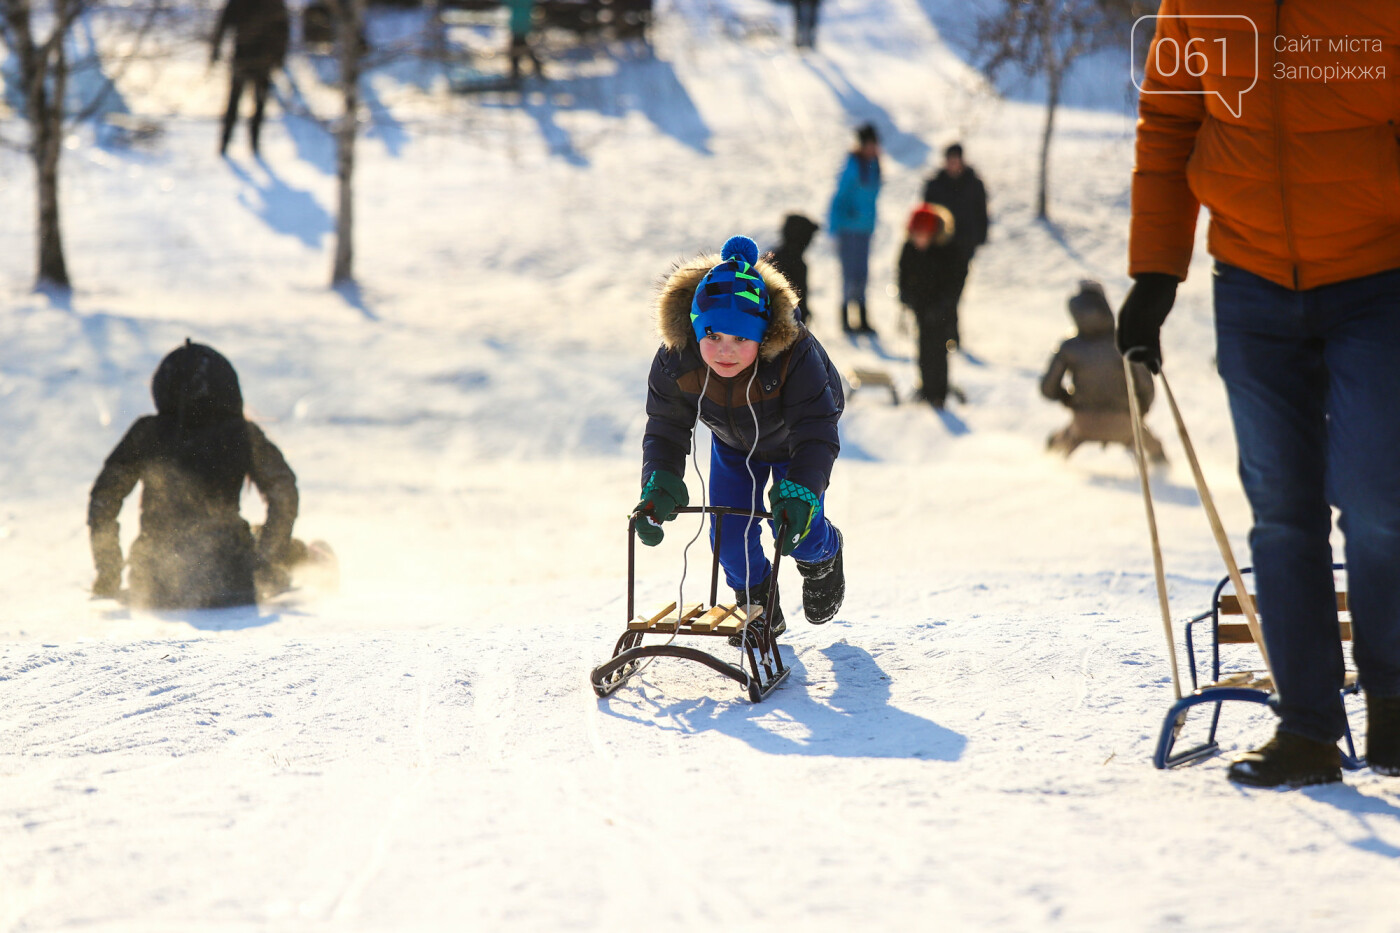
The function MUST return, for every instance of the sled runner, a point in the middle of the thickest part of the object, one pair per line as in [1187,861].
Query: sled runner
[760,669]
[1249,686]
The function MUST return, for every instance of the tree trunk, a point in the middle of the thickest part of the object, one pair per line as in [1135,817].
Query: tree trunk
[48,146]
[43,71]
[350,29]
[1054,74]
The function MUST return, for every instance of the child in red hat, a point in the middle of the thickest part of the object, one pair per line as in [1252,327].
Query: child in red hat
[927,280]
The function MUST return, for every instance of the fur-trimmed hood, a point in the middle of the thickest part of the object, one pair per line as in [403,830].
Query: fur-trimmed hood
[678,290]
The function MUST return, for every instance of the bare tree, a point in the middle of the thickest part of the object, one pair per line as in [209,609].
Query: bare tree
[1044,38]
[350,49]
[42,59]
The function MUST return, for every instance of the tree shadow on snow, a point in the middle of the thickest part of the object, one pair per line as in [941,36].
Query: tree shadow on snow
[287,210]
[644,84]
[855,721]
[905,148]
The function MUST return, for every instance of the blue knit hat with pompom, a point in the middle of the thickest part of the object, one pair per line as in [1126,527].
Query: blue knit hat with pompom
[731,298]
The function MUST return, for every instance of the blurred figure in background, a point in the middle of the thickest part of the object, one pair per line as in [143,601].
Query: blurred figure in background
[805,15]
[261,30]
[958,188]
[192,457]
[852,222]
[1098,391]
[798,231]
[928,268]
[522,25]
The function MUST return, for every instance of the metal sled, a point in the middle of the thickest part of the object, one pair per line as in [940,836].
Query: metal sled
[762,666]
[1249,686]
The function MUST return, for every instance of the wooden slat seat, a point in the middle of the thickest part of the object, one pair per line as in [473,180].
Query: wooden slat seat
[722,619]
[1237,633]
[696,619]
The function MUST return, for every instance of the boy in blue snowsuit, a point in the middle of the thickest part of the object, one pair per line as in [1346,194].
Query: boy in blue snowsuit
[735,355]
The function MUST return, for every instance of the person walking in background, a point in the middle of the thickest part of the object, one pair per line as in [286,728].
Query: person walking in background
[261,31]
[1305,231]
[192,458]
[958,188]
[522,25]
[1097,393]
[798,231]
[927,268]
[852,222]
[805,16]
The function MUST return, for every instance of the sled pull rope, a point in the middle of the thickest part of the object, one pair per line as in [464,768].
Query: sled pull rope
[704,501]
[1161,577]
[1251,617]
[753,506]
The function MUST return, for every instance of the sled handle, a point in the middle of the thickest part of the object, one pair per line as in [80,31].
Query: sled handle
[1251,617]
[1136,408]
[714,569]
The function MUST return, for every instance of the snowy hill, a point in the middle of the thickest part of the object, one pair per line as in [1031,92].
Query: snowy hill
[966,747]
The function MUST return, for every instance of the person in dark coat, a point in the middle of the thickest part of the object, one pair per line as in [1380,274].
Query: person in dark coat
[928,268]
[261,30]
[958,188]
[735,356]
[194,550]
[1098,391]
[798,231]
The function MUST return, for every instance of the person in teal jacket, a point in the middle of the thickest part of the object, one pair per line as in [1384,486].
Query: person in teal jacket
[852,222]
[522,23]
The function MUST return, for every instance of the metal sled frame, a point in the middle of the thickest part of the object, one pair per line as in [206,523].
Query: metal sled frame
[1246,686]
[763,667]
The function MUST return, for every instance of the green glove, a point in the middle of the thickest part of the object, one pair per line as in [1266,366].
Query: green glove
[794,505]
[663,494]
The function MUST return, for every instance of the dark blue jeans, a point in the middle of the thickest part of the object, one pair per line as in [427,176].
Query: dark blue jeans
[1313,379]
[853,249]
[730,486]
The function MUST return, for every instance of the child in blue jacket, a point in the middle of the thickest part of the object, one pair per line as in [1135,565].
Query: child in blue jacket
[735,355]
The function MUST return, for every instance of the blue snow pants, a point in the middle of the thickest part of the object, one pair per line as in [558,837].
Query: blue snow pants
[1313,379]
[730,486]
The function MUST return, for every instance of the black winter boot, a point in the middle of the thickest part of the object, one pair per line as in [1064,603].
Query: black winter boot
[846,318]
[1288,759]
[758,594]
[824,585]
[1383,735]
[865,327]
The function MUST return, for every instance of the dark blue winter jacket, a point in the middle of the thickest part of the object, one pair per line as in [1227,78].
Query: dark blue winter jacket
[796,393]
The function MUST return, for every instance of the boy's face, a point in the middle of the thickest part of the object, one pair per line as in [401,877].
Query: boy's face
[922,239]
[726,354]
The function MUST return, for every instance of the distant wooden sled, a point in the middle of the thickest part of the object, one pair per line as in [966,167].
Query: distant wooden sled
[761,667]
[1250,686]
[870,379]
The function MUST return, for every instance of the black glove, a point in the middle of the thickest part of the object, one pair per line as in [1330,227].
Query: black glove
[1140,320]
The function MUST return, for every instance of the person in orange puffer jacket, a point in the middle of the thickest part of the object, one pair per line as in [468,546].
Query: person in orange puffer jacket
[1301,174]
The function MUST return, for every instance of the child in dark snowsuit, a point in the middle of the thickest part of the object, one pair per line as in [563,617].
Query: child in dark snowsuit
[1098,390]
[194,551]
[927,281]
[797,236]
[735,356]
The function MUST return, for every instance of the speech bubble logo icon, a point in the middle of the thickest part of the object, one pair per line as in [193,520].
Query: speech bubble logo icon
[1198,55]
